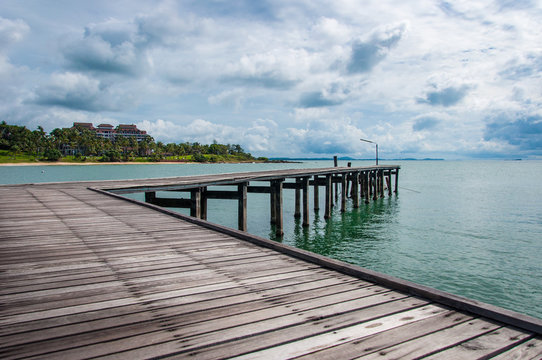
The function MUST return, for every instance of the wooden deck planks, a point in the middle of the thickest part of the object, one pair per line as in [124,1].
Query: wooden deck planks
[87,275]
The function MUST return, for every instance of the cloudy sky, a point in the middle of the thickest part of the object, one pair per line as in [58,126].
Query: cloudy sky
[423,78]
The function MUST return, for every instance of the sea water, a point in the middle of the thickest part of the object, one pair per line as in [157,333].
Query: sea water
[472,228]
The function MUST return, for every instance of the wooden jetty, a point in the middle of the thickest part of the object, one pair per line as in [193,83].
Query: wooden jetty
[364,183]
[86,273]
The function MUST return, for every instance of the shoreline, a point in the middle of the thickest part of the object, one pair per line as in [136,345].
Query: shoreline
[63,163]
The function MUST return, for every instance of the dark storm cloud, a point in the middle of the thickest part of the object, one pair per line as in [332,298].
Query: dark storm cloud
[425,123]
[109,47]
[79,92]
[367,54]
[70,101]
[83,58]
[334,94]
[317,99]
[522,131]
[270,80]
[446,97]
[240,9]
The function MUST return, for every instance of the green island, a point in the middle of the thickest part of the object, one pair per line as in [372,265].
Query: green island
[79,145]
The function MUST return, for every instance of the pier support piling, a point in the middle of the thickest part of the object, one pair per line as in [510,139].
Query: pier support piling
[316,194]
[335,164]
[242,206]
[150,197]
[343,192]
[355,189]
[203,206]
[276,194]
[305,187]
[396,179]
[375,184]
[381,182]
[367,182]
[195,208]
[297,212]
[388,182]
[329,190]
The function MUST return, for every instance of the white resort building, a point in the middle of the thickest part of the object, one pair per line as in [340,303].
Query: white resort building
[107,131]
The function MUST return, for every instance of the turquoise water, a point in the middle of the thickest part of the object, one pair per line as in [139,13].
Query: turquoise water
[472,228]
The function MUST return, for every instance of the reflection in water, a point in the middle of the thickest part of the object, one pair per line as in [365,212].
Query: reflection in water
[347,236]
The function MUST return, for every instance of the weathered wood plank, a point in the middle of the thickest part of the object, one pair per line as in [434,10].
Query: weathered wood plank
[529,350]
[431,343]
[203,301]
[343,335]
[223,316]
[488,344]
[198,335]
[386,339]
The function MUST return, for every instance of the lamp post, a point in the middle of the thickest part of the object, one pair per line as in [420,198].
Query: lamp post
[376,145]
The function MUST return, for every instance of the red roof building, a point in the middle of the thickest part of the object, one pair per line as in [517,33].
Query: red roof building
[107,131]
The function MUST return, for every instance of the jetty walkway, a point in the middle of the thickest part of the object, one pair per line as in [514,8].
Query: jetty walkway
[86,273]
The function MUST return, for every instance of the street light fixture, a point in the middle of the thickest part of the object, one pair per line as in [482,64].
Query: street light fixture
[372,142]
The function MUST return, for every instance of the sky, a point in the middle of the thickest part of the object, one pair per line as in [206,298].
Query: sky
[284,78]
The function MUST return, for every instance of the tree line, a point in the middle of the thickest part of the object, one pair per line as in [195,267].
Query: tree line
[82,143]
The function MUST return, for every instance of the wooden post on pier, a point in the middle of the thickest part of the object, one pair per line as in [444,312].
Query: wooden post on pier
[381,182]
[375,184]
[348,182]
[362,185]
[305,187]
[367,182]
[316,195]
[272,200]
[329,190]
[388,181]
[195,208]
[276,193]
[242,206]
[297,212]
[396,179]
[203,207]
[355,189]
[150,197]
[335,164]
[343,192]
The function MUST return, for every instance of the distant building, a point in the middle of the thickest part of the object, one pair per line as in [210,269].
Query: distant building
[129,131]
[82,125]
[107,131]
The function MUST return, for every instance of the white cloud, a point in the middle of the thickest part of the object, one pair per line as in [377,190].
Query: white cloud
[12,31]
[231,98]
[281,68]
[332,31]
[255,137]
